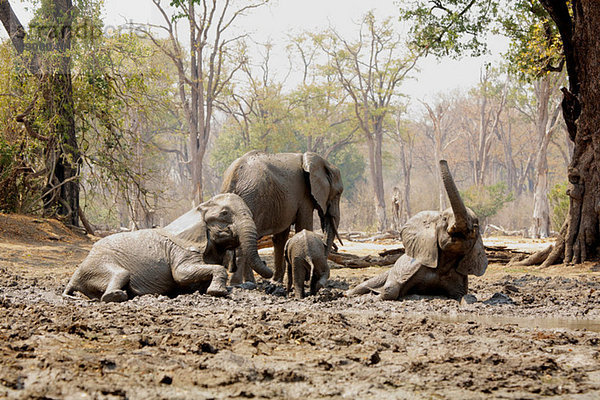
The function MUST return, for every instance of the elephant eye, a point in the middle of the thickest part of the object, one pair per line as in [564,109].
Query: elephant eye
[224,213]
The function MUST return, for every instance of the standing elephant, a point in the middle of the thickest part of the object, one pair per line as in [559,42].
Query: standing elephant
[306,261]
[185,256]
[282,190]
[442,249]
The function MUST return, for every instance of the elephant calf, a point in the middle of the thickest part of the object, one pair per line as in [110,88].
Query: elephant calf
[306,259]
[185,256]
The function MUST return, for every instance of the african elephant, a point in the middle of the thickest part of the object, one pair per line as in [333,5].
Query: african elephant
[306,261]
[184,256]
[442,249]
[283,190]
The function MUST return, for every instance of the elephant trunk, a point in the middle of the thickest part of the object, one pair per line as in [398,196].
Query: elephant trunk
[330,222]
[248,246]
[461,220]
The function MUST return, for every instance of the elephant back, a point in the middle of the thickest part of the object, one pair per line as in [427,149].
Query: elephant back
[272,185]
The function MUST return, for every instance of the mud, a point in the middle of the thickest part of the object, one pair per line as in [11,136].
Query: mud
[530,334]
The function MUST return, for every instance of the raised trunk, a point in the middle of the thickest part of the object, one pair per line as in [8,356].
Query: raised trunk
[248,246]
[458,207]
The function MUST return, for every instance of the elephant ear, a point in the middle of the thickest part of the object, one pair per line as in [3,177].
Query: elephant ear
[320,182]
[475,261]
[420,238]
[189,230]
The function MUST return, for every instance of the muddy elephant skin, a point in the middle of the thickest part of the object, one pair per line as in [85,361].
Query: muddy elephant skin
[283,190]
[442,249]
[186,255]
[306,261]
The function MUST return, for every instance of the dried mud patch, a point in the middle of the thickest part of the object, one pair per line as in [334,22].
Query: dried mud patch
[256,343]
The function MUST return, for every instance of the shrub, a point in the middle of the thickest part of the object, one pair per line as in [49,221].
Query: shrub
[486,201]
[559,201]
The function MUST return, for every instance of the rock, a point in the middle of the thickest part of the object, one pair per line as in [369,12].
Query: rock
[247,286]
[498,299]
[468,299]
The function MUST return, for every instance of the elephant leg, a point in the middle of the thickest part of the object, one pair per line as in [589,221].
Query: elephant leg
[193,274]
[288,287]
[299,271]
[390,291]
[119,279]
[369,286]
[279,240]
[238,274]
[314,284]
[249,275]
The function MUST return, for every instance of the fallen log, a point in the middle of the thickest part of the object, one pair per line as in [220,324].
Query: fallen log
[534,259]
[348,260]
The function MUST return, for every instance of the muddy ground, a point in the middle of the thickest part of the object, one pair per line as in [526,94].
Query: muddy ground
[532,333]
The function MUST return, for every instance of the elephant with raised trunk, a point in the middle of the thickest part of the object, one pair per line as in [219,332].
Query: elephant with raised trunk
[283,190]
[442,249]
[185,256]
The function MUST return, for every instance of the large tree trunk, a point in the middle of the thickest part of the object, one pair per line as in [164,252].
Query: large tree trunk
[62,152]
[581,110]
[68,159]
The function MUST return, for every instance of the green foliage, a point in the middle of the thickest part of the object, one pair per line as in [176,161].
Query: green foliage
[452,27]
[352,165]
[458,27]
[486,201]
[536,46]
[559,201]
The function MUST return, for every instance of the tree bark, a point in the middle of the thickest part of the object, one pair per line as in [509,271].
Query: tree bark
[62,152]
[581,111]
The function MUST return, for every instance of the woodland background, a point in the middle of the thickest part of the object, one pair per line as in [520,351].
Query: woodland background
[135,125]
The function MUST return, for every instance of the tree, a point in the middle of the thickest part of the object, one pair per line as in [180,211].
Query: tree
[128,128]
[543,112]
[209,68]
[490,100]
[370,70]
[439,134]
[577,22]
[406,137]
[46,56]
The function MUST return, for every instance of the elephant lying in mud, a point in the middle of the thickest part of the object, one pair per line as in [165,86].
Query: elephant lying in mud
[283,190]
[184,256]
[306,261]
[442,249]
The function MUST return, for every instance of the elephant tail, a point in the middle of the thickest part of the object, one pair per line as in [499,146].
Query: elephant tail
[370,286]
[70,288]
[311,264]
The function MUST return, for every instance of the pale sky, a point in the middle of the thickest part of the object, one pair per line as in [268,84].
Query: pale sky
[283,17]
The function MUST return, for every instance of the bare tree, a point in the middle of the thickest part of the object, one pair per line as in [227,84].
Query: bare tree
[439,134]
[370,71]
[208,68]
[480,129]
[406,137]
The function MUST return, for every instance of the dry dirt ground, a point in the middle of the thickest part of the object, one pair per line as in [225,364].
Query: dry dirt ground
[532,333]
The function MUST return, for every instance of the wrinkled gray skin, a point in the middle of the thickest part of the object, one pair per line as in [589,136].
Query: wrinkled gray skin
[306,261]
[184,256]
[442,249]
[283,190]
